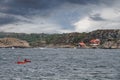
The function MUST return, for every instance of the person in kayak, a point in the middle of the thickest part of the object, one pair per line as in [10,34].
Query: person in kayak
[26,60]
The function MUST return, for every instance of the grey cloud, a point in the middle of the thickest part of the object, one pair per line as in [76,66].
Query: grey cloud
[95,2]
[96,17]
[7,20]
[84,1]
[26,7]
[52,10]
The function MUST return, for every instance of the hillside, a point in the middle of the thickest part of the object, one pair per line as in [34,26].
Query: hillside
[104,35]
[67,39]
[41,40]
[12,42]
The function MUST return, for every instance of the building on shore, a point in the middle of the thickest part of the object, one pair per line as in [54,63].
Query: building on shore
[82,45]
[95,43]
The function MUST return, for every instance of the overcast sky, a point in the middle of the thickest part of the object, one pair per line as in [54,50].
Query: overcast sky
[58,16]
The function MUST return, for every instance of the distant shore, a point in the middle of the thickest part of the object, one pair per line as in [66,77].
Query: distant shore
[109,39]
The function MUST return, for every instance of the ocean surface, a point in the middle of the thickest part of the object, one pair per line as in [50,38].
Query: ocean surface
[60,64]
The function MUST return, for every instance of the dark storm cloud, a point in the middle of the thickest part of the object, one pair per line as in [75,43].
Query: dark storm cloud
[48,9]
[33,4]
[7,20]
[83,1]
[28,7]
[23,7]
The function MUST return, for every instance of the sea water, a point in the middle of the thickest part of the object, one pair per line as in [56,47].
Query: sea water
[60,64]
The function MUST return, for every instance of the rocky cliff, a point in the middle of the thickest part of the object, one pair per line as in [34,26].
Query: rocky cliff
[111,45]
[104,35]
[109,38]
[13,42]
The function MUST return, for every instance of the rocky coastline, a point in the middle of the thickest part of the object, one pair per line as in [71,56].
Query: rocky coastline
[109,39]
[13,42]
[17,43]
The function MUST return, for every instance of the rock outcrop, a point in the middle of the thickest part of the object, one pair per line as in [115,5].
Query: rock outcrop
[13,42]
[109,38]
[104,35]
[111,45]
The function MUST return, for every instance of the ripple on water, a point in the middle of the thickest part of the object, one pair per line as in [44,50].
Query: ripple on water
[60,64]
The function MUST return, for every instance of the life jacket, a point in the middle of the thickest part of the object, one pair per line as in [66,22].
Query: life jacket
[23,62]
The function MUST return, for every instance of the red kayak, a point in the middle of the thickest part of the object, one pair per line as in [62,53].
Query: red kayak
[23,62]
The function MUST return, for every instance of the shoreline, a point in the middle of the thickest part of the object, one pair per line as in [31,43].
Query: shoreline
[51,47]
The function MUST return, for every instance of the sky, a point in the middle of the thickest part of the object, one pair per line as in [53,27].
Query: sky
[58,16]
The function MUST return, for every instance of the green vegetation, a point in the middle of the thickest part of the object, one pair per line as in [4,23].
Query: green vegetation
[42,39]
[36,40]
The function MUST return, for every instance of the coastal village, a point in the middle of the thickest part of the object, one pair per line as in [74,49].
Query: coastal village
[105,39]
[94,43]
